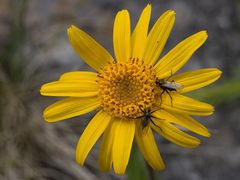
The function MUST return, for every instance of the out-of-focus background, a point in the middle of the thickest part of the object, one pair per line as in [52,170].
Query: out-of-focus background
[34,49]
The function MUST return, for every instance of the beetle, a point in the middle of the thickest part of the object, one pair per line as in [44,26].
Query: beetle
[146,118]
[168,86]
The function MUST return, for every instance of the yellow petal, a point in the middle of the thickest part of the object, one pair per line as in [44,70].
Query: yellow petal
[139,36]
[183,104]
[173,134]
[196,79]
[158,36]
[91,134]
[70,107]
[182,120]
[88,49]
[149,149]
[79,75]
[105,152]
[179,55]
[121,36]
[124,133]
[73,88]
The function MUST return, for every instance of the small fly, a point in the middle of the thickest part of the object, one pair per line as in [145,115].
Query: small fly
[146,118]
[168,86]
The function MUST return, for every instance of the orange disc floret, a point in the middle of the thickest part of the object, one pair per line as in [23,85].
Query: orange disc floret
[126,87]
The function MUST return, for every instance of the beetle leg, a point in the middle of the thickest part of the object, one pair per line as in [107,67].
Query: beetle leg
[161,95]
[170,97]
[156,125]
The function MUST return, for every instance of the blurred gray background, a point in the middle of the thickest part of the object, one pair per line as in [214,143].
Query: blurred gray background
[34,49]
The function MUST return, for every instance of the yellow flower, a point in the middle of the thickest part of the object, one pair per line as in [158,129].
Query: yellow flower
[126,87]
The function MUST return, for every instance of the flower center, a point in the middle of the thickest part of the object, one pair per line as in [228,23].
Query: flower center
[126,88]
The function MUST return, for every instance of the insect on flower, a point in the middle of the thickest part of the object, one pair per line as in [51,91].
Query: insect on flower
[168,86]
[146,118]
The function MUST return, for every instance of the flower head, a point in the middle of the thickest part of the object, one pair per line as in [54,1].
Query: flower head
[135,91]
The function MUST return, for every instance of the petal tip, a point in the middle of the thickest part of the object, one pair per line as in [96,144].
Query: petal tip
[218,74]
[205,132]
[123,11]
[46,118]
[46,115]
[160,167]
[41,90]
[79,162]
[219,71]
[79,158]
[203,34]
[149,6]
[171,12]
[212,108]
[208,134]
[71,28]
[215,70]
[163,167]
[103,170]
[119,170]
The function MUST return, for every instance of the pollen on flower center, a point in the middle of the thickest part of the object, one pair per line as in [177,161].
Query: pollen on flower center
[126,87]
